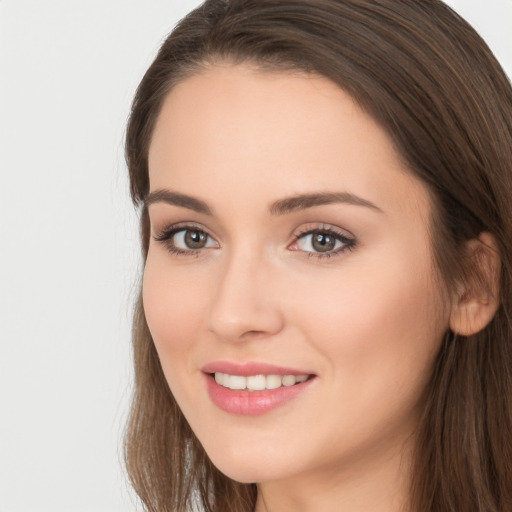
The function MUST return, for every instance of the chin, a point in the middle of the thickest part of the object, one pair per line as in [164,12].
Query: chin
[247,473]
[249,466]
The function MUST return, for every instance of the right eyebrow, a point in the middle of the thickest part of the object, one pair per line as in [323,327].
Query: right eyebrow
[175,199]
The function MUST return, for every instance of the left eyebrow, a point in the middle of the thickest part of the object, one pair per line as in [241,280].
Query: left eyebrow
[301,202]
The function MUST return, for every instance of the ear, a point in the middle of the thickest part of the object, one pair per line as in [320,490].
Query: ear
[477,300]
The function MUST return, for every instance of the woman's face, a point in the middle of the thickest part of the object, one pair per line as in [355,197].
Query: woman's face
[288,242]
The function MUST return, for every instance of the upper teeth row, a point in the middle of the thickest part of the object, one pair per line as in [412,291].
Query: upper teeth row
[257,382]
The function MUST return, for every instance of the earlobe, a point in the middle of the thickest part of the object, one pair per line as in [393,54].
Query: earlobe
[475,305]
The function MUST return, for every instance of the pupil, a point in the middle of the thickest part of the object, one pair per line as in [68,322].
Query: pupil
[323,243]
[195,239]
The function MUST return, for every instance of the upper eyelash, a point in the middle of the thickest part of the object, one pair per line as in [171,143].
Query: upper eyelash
[167,233]
[349,242]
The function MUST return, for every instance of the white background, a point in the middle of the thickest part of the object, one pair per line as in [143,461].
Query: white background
[69,243]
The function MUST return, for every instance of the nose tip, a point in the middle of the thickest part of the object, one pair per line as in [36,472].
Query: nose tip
[244,308]
[253,324]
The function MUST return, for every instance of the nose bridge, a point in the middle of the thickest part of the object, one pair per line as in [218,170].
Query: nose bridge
[244,306]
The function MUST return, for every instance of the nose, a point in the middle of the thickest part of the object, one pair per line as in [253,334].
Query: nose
[245,305]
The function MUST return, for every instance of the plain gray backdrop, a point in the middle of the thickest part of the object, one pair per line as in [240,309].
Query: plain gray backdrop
[68,239]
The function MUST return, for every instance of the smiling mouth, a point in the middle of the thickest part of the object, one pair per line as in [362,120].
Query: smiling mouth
[257,382]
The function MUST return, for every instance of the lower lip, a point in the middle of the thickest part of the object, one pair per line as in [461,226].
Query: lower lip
[252,403]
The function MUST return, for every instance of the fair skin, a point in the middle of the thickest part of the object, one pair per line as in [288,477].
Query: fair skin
[360,311]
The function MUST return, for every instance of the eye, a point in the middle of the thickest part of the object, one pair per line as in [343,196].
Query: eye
[192,239]
[322,242]
[183,240]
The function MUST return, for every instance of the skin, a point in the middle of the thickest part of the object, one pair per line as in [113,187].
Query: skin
[367,321]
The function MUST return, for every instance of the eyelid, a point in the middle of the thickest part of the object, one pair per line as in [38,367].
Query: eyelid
[169,229]
[321,227]
[313,227]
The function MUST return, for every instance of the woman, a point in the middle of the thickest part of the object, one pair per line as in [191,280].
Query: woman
[324,323]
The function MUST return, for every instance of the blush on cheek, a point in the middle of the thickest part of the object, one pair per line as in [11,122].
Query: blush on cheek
[376,315]
[173,305]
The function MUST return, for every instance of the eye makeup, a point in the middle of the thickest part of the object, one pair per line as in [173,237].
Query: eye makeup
[185,239]
[320,241]
[325,241]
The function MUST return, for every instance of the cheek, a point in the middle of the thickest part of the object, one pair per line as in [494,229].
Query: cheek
[380,329]
[174,305]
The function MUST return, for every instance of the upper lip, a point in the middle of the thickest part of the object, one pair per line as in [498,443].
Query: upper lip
[250,368]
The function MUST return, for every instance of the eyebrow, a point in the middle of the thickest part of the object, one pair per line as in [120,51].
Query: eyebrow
[175,199]
[301,202]
[280,207]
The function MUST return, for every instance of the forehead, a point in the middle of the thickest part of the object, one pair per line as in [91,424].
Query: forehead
[238,129]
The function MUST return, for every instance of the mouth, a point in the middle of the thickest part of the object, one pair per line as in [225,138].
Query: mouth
[254,389]
[258,382]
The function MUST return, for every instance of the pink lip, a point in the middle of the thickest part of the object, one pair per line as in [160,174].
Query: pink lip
[247,369]
[251,403]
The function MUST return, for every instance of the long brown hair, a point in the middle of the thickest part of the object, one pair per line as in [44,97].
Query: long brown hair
[433,84]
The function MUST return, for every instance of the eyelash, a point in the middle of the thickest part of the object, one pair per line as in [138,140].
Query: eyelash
[349,243]
[167,235]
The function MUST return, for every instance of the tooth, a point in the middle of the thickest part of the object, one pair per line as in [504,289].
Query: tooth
[288,380]
[273,381]
[237,382]
[256,382]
